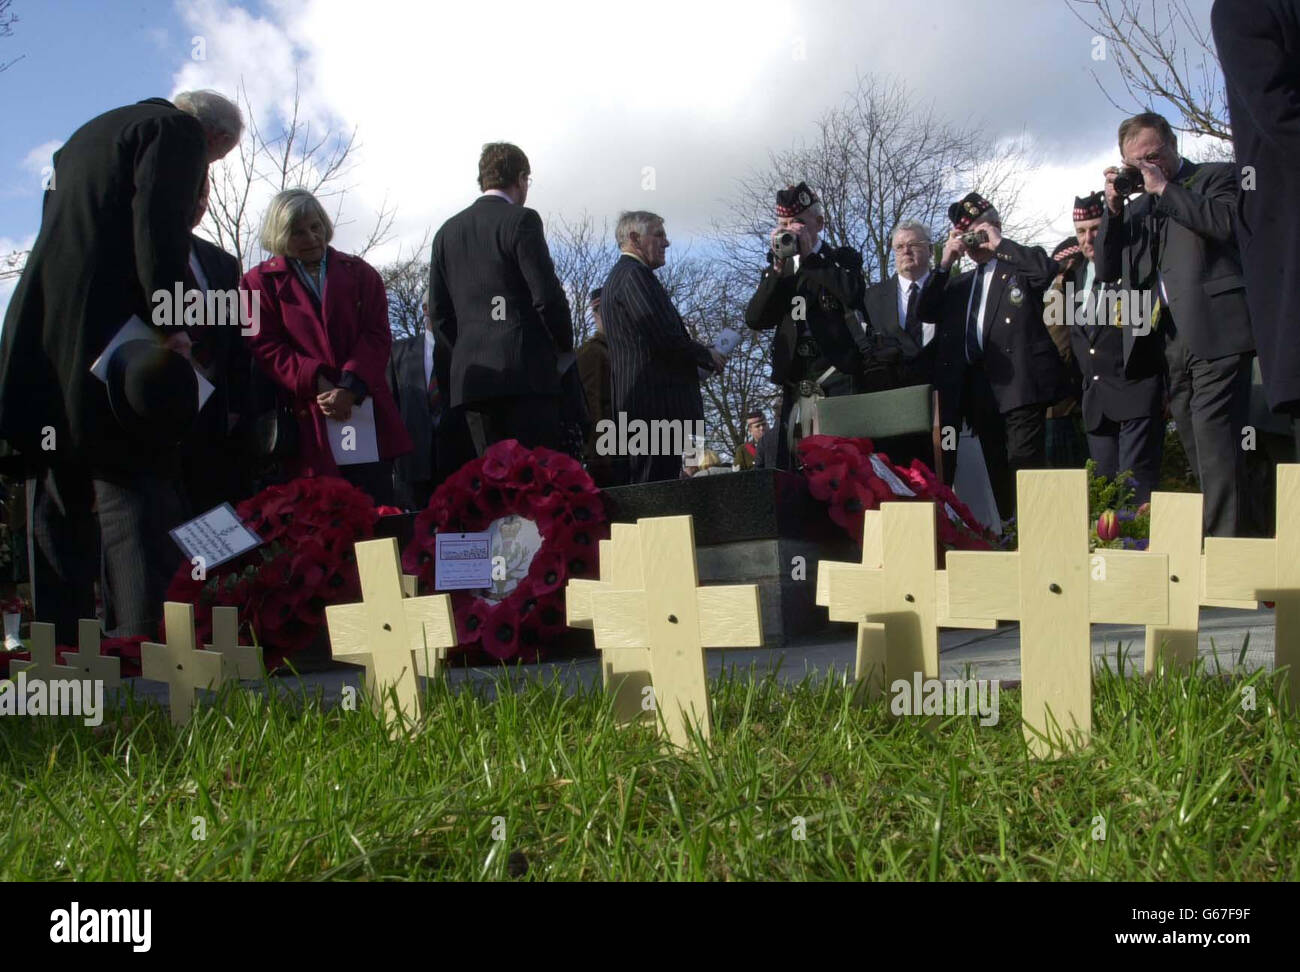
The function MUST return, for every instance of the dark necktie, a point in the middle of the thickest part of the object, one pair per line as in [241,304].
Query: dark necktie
[973,352]
[912,324]
[435,396]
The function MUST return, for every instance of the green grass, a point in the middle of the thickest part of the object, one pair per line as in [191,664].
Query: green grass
[1191,788]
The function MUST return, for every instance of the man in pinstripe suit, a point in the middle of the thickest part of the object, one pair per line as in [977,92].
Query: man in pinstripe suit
[653,360]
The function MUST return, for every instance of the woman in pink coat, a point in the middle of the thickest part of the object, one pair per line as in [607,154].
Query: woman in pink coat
[322,337]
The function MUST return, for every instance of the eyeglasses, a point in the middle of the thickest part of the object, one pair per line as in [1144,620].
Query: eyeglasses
[904,247]
[1151,157]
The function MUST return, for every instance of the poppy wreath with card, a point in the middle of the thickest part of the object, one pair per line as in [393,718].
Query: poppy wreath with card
[306,561]
[547,518]
[851,477]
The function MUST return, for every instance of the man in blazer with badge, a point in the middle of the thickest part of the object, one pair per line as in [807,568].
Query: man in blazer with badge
[1177,241]
[813,299]
[996,367]
[496,301]
[1122,368]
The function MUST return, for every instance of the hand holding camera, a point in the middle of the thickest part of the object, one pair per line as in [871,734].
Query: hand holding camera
[953,250]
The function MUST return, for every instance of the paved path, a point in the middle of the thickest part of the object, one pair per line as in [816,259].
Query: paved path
[963,654]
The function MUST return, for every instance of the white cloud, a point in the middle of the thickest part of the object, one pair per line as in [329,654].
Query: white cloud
[595,92]
[40,158]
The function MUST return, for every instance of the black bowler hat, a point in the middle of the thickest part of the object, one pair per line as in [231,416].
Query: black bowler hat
[966,210]
[153,392]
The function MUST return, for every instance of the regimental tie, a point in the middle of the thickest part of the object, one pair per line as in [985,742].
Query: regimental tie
[912,325]
[973,352]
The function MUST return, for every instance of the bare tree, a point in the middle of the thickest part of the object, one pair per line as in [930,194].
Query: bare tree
[405,280]
[265,163]
[7,20]
[1163,53]
[583,254]
[875,159]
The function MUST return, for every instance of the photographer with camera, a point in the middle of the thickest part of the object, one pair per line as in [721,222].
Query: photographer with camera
[812,295]
[1178,241]
[997,367]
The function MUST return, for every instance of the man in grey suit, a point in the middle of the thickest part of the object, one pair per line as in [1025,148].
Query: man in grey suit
[654,361]
[1177,240]
[413,379]
[497,304]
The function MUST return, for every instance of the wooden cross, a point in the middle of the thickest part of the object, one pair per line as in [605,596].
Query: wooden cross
[89,662]
[674,620]
[179,663]
[896,596]
[625,671]
[394,636]
[239,661]
[1176,531]
[1057,589]
[44,664]
[1268,570]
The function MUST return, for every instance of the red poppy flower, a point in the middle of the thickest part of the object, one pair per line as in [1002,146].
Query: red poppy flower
[549,570]
[471,615]
[501,635]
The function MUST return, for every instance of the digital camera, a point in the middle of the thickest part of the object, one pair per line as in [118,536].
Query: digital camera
[974,238]
[785,245]
[1129,180]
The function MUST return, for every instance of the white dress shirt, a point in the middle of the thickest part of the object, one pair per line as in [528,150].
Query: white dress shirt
[904,286]
[428,357]
[989,269]
[501,193]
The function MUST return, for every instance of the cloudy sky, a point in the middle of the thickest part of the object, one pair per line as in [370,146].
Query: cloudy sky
[595,92]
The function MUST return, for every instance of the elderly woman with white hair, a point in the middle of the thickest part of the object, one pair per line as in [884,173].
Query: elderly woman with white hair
[324,341]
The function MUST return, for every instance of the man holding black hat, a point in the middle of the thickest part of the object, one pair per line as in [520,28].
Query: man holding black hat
[997,367]
[1177,243]
[813,296]
[115,234]
[1122,368]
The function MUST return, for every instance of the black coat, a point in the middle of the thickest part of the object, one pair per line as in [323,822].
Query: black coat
[832,287]
[115,229]
[882,311]
[410,390]
[1197,251]
[1123,375]
[1259,48]
[215,463]
[653,360]
[1020,359]
[495,300]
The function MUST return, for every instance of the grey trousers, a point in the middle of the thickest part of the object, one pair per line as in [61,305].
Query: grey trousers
[1210,403]
[81,524]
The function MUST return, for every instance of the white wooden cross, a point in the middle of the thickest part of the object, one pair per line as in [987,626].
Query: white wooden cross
[896,596]
[179,663]
[1176,531]
[89,662]
[674,620]
[1057,590]
[44,663]
[394,636]
[1268,570]
[239,661]
[625,671]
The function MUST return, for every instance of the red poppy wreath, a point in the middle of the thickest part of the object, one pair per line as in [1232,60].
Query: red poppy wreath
[546,518]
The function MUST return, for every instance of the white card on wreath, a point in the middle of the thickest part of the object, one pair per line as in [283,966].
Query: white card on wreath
[216,536]
[462,561]
[354,441]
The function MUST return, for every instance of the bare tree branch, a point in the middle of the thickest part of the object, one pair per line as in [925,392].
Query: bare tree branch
[1164,54]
